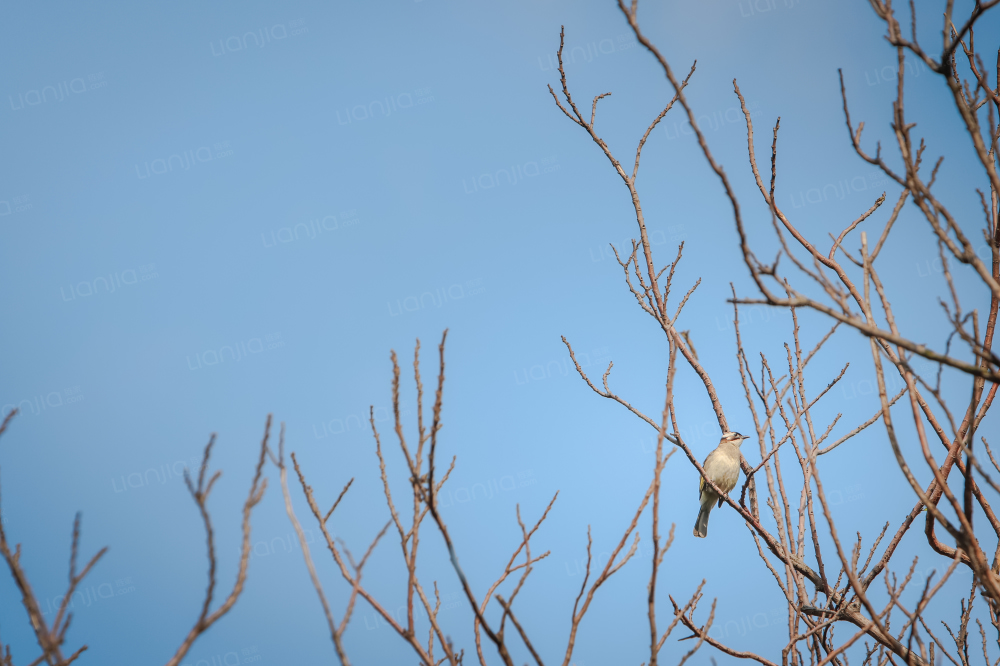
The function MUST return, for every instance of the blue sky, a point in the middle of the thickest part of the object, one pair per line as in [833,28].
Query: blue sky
[212,212]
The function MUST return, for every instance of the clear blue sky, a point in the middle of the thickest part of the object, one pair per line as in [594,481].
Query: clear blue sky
[213,211]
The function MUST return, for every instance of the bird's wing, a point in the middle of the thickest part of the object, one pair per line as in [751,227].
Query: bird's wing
[701,479]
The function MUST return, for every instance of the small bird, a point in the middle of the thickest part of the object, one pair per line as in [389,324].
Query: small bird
[722,466]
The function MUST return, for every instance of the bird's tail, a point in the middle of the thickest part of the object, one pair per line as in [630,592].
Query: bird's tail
[701,525]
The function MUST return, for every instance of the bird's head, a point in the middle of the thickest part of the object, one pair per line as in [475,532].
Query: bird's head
[733,438]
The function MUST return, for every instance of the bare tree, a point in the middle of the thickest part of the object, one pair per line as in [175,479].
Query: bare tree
[51,638]
[789,542]
[822,578]
[821,590]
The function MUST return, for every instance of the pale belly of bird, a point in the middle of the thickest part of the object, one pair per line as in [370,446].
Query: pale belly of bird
[726,474]
[729,477]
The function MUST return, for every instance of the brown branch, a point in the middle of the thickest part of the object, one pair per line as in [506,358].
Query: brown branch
[336,635]
[200,495]
[860,427]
